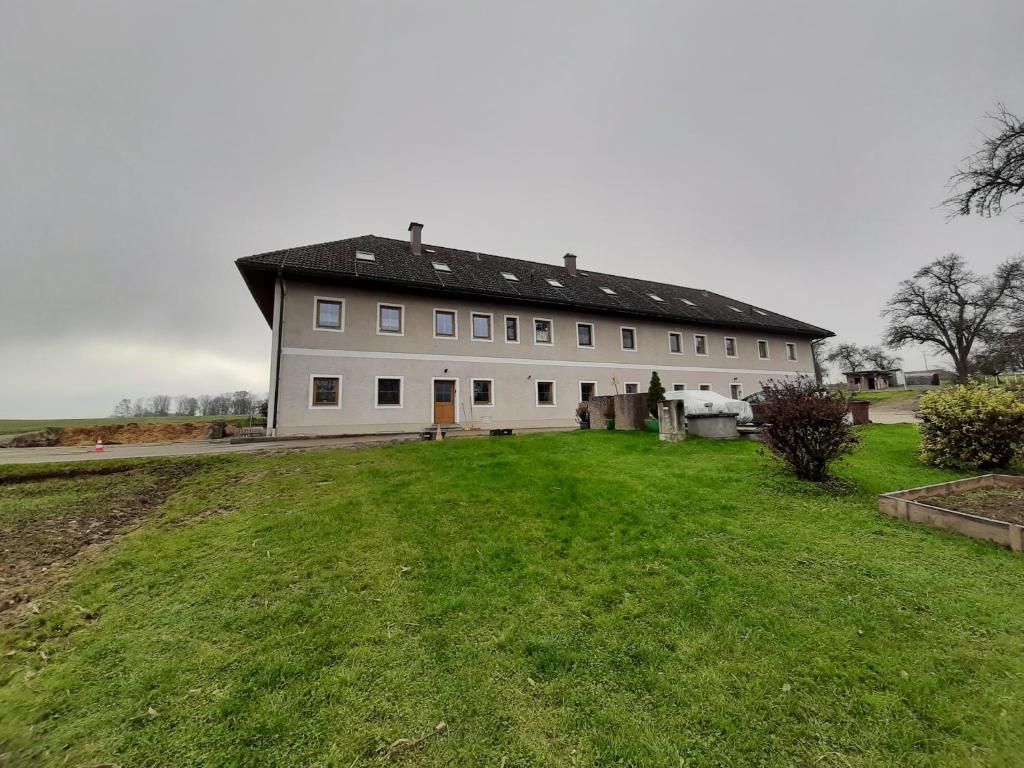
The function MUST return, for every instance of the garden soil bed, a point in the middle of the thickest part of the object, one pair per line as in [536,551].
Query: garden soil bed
[999,503]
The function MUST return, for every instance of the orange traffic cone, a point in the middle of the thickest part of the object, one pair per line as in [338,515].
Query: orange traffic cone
[440,434]
[99,445]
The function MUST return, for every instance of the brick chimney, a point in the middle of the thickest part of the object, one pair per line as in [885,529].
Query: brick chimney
[416,232]
[570,263]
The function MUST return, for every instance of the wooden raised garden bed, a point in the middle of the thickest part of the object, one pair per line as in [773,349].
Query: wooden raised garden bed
[989,507]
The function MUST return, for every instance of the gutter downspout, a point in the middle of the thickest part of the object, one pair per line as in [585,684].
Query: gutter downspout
[277,352]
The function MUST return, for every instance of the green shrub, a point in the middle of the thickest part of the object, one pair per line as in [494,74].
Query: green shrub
[973,425]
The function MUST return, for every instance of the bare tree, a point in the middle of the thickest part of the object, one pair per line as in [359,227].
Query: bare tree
[159,405]
[243,402]
[186,405]
[849,357]
[994,172]
[818,350]
[123,409]
[204,401]
[880,359]
[139,408]
[948,307]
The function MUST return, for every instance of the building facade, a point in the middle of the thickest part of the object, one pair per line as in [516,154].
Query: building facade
[378,335]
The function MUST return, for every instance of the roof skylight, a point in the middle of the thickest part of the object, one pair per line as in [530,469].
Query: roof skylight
[440,266]
[687,301]
[510,276]
[735,309]
[609,291]
[555,283]
[761,312]
[365,256]
[655,296]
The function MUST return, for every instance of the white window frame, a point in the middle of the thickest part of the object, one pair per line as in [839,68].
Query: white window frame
[593,336]
[767,350]
[581,389]
[519,329]
[791,345]
[704,388]
[627,384]
[472,393]
[401,323]
[341,396]
[735,347]
[455,323]
[636,342]
[707,349]
[533,326]
[401,392]
[731,386]
[670,335]
[316,313]
[679,386]
[490,324]
[554,393]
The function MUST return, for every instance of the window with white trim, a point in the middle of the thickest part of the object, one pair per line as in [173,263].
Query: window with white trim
[704,387]
[329,314]
[545,393]
[325,391]
[675,343]
[482,327]
[389,318]
[736,391]
[730,346]
[584,335]
[483,392]
[445,324]
[700,344]
[389,391]
[791,351]
[678,387]
[762,349]
[543,331]
[628,336]
[632,387]
[587,390]
[512,329]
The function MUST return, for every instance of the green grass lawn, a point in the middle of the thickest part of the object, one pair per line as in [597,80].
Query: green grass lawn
[574,599]
[879,395]
[14,426]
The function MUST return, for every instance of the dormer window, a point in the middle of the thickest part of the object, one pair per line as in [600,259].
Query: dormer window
[509,276]
[440,266]
[554,283]
[365,256]
[655,296]
[609,291]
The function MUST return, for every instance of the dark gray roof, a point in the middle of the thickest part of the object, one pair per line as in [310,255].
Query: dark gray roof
[480,274]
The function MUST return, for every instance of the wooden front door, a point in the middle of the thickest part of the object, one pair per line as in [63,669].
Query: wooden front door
[444,401]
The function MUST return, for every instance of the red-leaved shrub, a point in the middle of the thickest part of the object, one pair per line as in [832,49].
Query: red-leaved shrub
[807,426]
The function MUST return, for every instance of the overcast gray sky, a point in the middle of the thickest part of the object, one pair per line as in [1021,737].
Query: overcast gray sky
[790,154]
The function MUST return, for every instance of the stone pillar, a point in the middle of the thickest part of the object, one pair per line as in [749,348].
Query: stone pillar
[602,408]
[631,411]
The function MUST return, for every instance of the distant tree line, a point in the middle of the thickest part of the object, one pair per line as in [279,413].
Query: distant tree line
[239,403]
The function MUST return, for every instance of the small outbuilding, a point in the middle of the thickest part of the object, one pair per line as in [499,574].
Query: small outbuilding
[859,381]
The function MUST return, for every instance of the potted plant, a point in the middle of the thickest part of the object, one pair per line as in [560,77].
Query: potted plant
[583,415]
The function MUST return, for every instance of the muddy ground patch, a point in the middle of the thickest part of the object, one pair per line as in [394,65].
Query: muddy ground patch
[52,519]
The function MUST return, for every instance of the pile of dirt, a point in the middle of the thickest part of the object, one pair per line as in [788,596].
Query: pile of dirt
[133,433]
[35,555]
